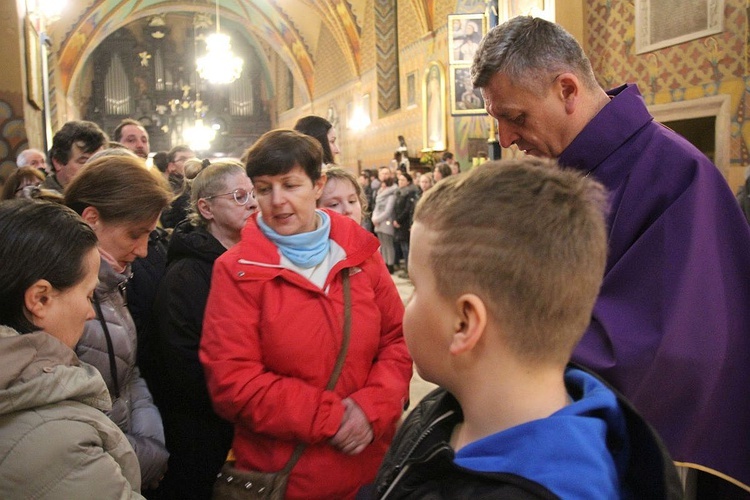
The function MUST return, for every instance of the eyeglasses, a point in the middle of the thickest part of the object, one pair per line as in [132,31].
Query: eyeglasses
[241,196]
[28,188]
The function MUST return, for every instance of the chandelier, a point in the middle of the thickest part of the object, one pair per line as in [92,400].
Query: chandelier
[219,65]
[199,136]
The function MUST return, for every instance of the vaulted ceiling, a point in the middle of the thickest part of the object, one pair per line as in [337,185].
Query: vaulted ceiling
[290,28]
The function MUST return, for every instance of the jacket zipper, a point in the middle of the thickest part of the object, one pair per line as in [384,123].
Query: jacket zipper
[402,466]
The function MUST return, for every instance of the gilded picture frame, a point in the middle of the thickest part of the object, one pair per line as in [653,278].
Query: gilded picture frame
[434,128]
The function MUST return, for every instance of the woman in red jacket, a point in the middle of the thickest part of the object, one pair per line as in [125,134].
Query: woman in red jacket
[273,329]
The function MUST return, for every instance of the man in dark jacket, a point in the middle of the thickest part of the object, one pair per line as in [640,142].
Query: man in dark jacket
[72,146]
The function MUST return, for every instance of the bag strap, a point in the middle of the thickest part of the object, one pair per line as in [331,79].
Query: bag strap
[347,332]
[300,448]
[110,347]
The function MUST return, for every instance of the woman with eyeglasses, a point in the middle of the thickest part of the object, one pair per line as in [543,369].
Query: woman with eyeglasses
[275,324]
[198,440]
[21,178]
[55,440]
[121,200]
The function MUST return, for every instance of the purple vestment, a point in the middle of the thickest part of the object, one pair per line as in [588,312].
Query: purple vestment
[671,326]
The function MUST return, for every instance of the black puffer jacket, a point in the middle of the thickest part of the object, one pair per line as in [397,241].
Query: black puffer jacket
[142,285]
[198,440]
[420,463]
[403,211]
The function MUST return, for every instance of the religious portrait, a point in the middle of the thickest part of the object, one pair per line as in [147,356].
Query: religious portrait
[536,8]
[465,31]
[465,99]
[434,112]
[525,7]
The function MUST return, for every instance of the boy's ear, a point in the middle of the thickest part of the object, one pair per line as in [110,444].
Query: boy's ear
[471,323]
[36,299]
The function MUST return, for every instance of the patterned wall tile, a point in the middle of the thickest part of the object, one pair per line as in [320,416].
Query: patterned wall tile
[696,68]
[12,131]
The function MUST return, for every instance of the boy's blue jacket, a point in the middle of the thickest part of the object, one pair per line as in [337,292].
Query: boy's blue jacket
[557,452]
[597,447]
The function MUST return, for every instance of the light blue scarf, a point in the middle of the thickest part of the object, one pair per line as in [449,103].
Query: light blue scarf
[304,250]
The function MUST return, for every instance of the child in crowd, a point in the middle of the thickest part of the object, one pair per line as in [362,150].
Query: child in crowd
[495,329]
[343,194]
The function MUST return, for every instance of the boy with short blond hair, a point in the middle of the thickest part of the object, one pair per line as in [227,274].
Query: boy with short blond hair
[506,263]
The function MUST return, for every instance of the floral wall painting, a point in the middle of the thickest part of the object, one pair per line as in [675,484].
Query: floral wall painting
[661,23]
[465,99]
[465,31]
[434,109]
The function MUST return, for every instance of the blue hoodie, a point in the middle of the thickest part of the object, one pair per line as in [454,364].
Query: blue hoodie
[568,451]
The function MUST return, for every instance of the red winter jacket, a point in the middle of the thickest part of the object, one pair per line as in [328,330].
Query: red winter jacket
[270,341]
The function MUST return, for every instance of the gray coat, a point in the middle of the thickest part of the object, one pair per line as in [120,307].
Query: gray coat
[55,441]
[383,213]
[134,410]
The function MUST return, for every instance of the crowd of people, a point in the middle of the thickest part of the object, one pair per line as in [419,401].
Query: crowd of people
[187,330]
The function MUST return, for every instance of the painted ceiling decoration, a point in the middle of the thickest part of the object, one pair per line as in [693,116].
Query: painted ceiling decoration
[291,28]
[425,10]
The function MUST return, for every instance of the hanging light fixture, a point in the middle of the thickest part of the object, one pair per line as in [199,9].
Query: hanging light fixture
[219,64]
[199,136]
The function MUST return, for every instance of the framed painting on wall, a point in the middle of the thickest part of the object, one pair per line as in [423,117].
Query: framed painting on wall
[661,23]
[537,8]
[433,108]
[411,90]
[465,99]
[465,31]
[33,65]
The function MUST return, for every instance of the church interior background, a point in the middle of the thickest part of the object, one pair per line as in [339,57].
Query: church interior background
[377,69]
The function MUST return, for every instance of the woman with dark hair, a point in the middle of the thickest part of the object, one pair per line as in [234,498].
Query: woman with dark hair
[275,326]
[322,130]
[161,161]
[407,196]
[121,201]
[22,177]
[55,440]
[198,440]
[442,170]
